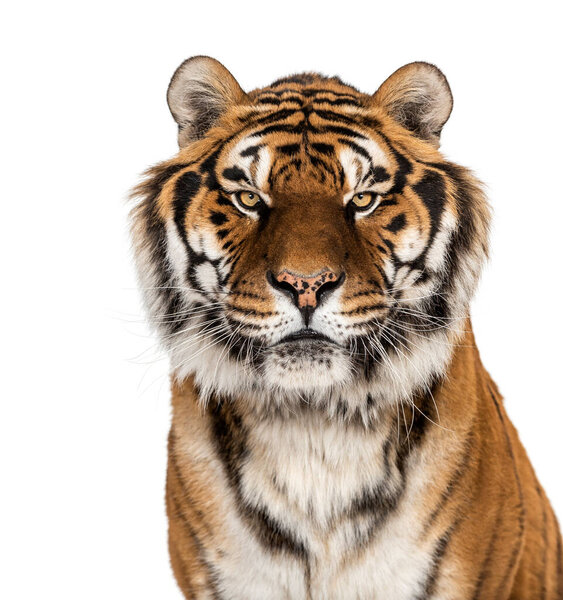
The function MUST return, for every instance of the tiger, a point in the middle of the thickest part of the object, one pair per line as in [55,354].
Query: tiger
[307,261]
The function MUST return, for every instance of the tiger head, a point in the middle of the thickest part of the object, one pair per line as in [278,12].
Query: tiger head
[309,242]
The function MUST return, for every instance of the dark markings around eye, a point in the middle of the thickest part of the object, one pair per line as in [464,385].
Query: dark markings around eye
[397,223]
[218,218]
[235,174]
[377,175]
[223,200]
[389,202]
[251,150]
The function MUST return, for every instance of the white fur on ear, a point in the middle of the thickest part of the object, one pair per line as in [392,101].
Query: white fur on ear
[200,91]
[418,97]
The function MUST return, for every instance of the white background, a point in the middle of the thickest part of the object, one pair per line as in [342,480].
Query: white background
[84,395]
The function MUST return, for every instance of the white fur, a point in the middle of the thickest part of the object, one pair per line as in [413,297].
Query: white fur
[411,244]
[319,466]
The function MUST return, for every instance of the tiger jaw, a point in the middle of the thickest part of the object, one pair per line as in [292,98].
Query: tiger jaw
[306,365]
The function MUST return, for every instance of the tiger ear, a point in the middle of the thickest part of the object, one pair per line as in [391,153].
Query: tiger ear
[418,97]
[200,91]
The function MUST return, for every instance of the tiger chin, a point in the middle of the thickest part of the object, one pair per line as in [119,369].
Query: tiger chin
[307,260]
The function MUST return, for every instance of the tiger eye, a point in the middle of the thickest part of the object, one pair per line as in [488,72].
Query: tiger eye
[362,200]
[248,199]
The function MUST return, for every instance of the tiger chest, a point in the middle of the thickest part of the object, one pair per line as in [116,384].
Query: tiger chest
[324,513]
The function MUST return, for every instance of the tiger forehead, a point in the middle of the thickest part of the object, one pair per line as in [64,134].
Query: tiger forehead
[309,88]
[340,161]
[307,130]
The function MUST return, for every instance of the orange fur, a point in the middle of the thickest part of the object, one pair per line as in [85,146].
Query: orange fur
[457,507]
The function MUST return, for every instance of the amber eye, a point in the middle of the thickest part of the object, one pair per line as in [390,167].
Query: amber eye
[363,200]
[248,199]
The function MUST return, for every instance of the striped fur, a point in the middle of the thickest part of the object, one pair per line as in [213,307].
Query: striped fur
[334,433]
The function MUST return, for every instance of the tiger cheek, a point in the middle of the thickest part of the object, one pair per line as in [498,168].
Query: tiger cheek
[410,244]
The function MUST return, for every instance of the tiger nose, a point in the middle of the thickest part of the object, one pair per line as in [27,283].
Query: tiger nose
[306,291]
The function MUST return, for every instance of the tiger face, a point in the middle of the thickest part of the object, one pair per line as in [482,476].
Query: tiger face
[309,243]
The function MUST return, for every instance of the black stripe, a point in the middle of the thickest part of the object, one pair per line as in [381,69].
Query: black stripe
[376,175]
[559,561]
[509,572]
[383,274]
[323,168]
[235,174]
[218,218]
[296,128]
[251,311]
[340,130]
[289,149]
[187,186]
[162,175]
[315,91]
[147,213]
[245,294]
[186,495]
[251,150]
[185,521]
[486,563]
[521,506]
[308,92]
[223,200]
[432,191]
[404,166]
[384,203]
[361,310]
[327,149]
[357,149]
[397,223]
[336,102]
[276,101]
[278,115]
[382,500]
[230,441]
[545,542]
[274,177]
[190,532]
[330,115]
[437,558]
[181,577]
[454,481]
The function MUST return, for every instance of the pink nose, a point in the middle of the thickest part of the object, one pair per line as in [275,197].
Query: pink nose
[308,290]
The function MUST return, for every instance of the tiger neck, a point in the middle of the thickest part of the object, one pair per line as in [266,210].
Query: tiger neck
[304,464]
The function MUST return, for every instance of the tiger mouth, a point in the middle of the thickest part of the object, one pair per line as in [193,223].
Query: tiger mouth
[308,335]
